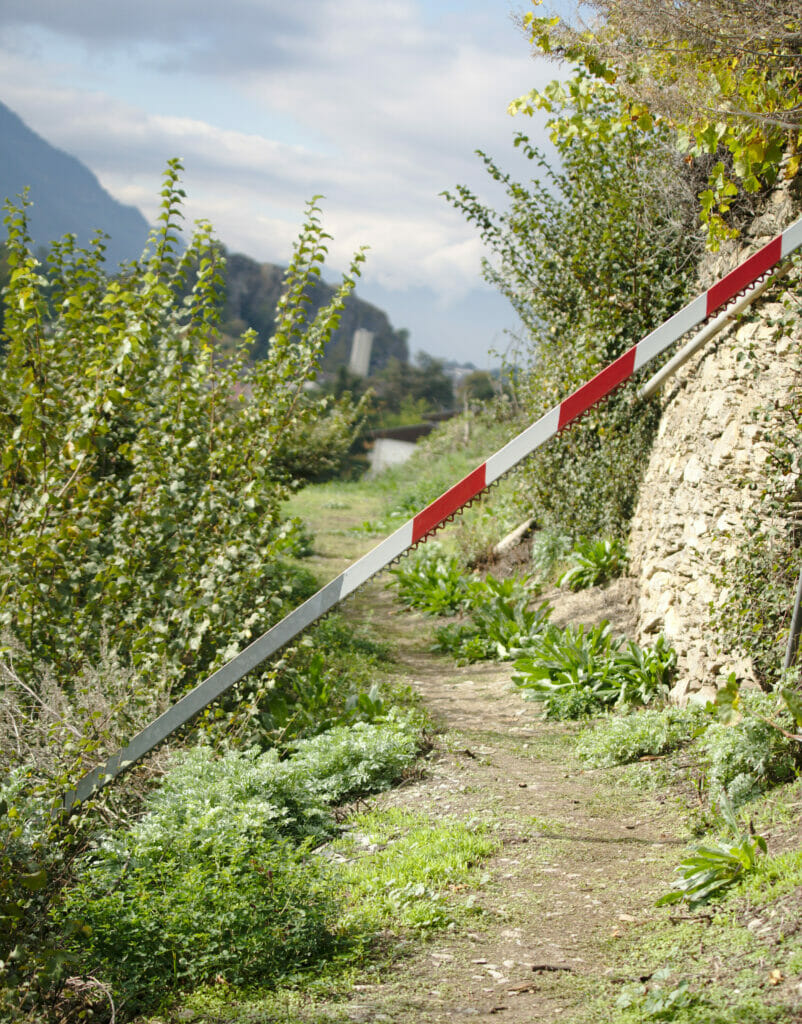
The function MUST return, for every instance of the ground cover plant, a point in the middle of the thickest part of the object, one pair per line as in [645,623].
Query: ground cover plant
[217,878]
[431,581]
[407,876]
[713,866]
[499,622]
[593,563]
[749,755]
[576,670]
[622,738]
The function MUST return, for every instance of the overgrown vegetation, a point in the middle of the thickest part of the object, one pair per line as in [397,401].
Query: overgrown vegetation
[725,75]
[217,880]
[143,542]
[591,256]
[593,563]
[620,739]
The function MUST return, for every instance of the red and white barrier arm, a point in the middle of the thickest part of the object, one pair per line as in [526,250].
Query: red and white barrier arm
[434,515]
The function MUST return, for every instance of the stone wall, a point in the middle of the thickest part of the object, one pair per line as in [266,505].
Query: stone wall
[696,489]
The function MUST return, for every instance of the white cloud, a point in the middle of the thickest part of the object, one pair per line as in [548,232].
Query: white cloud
[379,107]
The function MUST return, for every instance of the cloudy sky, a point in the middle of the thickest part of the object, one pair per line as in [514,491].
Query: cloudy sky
[378,106]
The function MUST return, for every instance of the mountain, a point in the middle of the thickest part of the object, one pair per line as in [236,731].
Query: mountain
[66,195]
[253,289]
[68,198]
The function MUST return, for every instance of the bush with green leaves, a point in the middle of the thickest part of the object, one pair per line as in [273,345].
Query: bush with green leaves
[141,535]
[593,563]
[747,755]
[500,620]
[141,491]
[592,256]
[431,581]
[217,879]
[576,670]
[620,739]
[715,866]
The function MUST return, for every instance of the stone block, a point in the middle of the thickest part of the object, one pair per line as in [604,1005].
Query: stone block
[694,471]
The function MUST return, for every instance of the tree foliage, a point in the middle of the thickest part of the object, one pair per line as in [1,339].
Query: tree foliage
[142,476]
[724,73]
[592,256]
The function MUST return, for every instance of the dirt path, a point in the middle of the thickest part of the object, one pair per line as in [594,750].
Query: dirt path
[579,863]
[581,857]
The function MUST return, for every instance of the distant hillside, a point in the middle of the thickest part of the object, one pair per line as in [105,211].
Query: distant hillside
[67,197]
[253,289]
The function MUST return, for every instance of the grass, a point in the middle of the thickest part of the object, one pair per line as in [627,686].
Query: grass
[417,867]
[407,876]
[738,959]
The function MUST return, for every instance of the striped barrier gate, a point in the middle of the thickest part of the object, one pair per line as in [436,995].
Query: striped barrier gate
[434,515]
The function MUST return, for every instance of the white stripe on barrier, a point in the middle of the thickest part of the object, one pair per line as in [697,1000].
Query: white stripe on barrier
[666,334]
[376,559]
[522,445]
[791,239]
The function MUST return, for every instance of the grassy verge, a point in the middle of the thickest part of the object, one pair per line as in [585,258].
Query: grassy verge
[405,877]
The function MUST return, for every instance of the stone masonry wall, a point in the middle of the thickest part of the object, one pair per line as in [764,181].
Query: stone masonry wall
[696,489]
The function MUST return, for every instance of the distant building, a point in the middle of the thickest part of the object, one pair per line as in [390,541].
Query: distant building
[361,348]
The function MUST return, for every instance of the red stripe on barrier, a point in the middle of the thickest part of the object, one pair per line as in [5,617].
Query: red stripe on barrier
[602,384]
[740,278]
[454,498]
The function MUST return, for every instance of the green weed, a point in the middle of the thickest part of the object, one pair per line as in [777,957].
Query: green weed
[431,581]
[577,670]
[715,866]
[620,739]
[500,621]
[411,875]
[549,550]
[594,562]
[748,754]
[217,880]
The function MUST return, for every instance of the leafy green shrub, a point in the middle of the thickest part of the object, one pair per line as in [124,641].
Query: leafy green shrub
[216,879]
[141,498]
[574,251]
[715,866]
[329,678]
[31,863]
[576,670]
[594,563]
[431,581]
[747,757]
[500,621]
[620,739]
